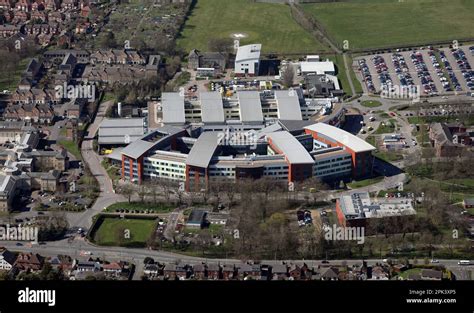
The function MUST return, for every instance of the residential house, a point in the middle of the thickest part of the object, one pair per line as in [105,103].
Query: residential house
[199,271]
[20,17]
[213,271]
[38,113]
[63,263]
[114,268]
[228,272]
[214,60]
[329,273]
[88,266]
[468,203]
[379,273]
[7,31]
[279,272]
[294,272]
[6,4]
[37,5]
[38,16]
[151,270]
[23,5]
[68,4]
[51,5]
[7,259]
[9,188]
[428,274]
[29,262]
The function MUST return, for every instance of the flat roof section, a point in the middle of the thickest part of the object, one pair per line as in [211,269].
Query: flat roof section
[248,52]
[288,105]
[354,143]
[294,152]
[250,107]
[121,130]
[172,104]
[202,151]
[212,107]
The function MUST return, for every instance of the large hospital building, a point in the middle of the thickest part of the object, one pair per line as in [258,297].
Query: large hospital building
[254,135]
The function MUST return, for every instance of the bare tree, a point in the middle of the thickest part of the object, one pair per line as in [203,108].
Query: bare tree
[288,76]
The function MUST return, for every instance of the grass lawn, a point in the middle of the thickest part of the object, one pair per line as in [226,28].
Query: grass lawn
[112,231]
[466,120]
[9,80]
[72,147]
[405,274]
[268,24]
[365,182]
[161,208]
[383,23]
[112,170]
[388,156]
[371,103]
[388,127]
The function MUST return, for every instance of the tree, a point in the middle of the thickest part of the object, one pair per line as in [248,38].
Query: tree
[288,76]
[127,191]
[223,45]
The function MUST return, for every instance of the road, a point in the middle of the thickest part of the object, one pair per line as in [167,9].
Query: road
[107,194]
[77,246]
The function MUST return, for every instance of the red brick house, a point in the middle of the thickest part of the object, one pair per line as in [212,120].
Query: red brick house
[29,262]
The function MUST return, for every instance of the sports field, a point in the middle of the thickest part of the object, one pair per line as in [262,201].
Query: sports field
[383,23]
[114,232]
[268,24]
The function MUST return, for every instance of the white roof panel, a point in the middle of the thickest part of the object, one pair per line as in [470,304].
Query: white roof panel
[212,109]
[250,106]
[323,67]
[354,143]
[203,149]
[172,104]
[248,52]
[288,105]
[288,145]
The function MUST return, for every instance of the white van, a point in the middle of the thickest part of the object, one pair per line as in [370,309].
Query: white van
[464,262]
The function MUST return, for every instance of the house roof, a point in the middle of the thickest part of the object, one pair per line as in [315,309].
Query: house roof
[279,269]
[431,274]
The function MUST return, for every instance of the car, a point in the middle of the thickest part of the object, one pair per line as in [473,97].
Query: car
[434,261]
[19,244]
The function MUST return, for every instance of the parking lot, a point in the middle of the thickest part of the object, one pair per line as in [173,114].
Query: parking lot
[437,72]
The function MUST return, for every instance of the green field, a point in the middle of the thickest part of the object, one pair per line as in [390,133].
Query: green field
[71,147]
[371,103]
[268,24]
[365,182]
[112,232]
[384,23]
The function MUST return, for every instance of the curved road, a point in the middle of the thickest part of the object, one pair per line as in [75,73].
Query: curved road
[107,194]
